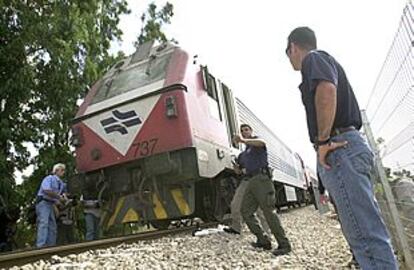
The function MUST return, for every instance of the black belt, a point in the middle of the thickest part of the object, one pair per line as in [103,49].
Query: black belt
[336,132]
[41,198]
[339,131]
[263,170]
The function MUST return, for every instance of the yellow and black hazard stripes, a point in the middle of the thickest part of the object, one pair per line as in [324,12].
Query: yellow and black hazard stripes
[130,216]
[180,201]
[118,207]
[159,210]
[172,203]
[125,211]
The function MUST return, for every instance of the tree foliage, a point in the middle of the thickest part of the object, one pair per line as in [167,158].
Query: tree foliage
[50,52]
[152,22]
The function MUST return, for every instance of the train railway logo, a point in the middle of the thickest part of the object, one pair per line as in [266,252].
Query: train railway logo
[118,127]
[120,122]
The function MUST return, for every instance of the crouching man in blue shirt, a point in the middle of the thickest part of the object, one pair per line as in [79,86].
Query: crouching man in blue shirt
[48,195]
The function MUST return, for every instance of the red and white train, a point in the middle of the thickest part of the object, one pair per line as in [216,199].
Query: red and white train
[153,140]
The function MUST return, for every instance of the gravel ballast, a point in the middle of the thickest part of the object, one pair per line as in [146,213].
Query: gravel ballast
[317,243]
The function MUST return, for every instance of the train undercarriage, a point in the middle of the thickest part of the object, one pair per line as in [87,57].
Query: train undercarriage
[160,190]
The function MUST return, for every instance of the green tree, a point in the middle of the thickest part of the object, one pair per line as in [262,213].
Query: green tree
[152,22]
[50,53]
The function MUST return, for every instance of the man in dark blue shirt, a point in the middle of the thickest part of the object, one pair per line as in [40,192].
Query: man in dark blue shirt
[344,159]
[260,192]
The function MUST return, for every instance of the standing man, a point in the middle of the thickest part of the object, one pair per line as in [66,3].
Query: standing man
[91,209]
[260,191]
[49,194]
[312,195]
[92,213]
[65,220]
[235,206]
[344,159]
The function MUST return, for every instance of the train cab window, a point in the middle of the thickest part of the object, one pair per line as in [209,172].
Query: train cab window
[210,85]
[230,114]
[133,78]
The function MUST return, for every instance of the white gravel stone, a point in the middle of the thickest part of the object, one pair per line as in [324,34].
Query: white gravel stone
[317,243]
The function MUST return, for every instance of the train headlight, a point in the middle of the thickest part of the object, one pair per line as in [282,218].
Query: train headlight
[96,154]
[171,107]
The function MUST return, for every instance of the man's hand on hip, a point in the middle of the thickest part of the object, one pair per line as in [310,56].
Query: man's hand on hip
[323,151]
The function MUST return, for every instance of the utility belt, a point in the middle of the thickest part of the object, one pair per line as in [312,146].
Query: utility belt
[41,198]
[264,170]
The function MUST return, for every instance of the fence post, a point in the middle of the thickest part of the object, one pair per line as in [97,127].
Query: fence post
[408,259]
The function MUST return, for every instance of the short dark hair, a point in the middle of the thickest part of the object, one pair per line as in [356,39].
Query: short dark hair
[245,125]
[304,37]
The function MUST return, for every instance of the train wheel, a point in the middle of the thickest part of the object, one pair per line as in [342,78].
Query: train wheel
[215,198]
[160,224]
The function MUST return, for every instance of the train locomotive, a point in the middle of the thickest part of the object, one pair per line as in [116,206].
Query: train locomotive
[153,139]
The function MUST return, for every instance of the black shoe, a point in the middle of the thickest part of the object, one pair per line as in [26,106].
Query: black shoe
[282,251]
[231,230]
[353,263]
[266,245]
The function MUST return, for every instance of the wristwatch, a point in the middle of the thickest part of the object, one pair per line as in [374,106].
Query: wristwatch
[319,143]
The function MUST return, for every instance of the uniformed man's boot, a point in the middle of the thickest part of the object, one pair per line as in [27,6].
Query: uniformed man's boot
[267,245]
[282,250]
[230,230]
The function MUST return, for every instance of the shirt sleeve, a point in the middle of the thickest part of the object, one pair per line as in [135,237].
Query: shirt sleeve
[257,137]
[318,67]
[47,183]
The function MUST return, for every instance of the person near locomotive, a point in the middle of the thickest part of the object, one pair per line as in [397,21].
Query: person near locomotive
[236,218]
[403,189]
[344,158]
[8,226]
[49,195]
[91,209]
[92,212]
[260,192]
[65,218]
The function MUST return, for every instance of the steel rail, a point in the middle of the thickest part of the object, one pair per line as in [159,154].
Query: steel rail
[20,258]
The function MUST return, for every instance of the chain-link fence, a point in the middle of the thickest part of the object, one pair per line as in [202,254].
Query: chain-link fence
[389,126]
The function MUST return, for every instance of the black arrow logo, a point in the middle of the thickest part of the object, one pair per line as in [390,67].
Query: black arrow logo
[120,122]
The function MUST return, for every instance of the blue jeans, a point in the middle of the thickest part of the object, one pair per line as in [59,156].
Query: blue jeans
[92,227]
[348,181]
[46,224]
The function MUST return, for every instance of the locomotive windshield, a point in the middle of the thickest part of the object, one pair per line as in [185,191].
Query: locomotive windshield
[143,74]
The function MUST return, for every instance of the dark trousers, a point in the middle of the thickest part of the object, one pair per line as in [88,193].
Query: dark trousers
[65,234]
[260,192]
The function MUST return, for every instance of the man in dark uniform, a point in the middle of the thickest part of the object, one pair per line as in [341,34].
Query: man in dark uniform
[344,158]
[259,192]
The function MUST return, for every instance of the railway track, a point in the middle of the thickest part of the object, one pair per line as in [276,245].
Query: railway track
[29,256]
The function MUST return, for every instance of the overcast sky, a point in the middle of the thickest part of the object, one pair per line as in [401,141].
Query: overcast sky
[243,44]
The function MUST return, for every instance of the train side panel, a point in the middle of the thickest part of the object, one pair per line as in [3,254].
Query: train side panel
[208,123]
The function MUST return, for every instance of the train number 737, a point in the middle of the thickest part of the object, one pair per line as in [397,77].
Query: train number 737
[145,148]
